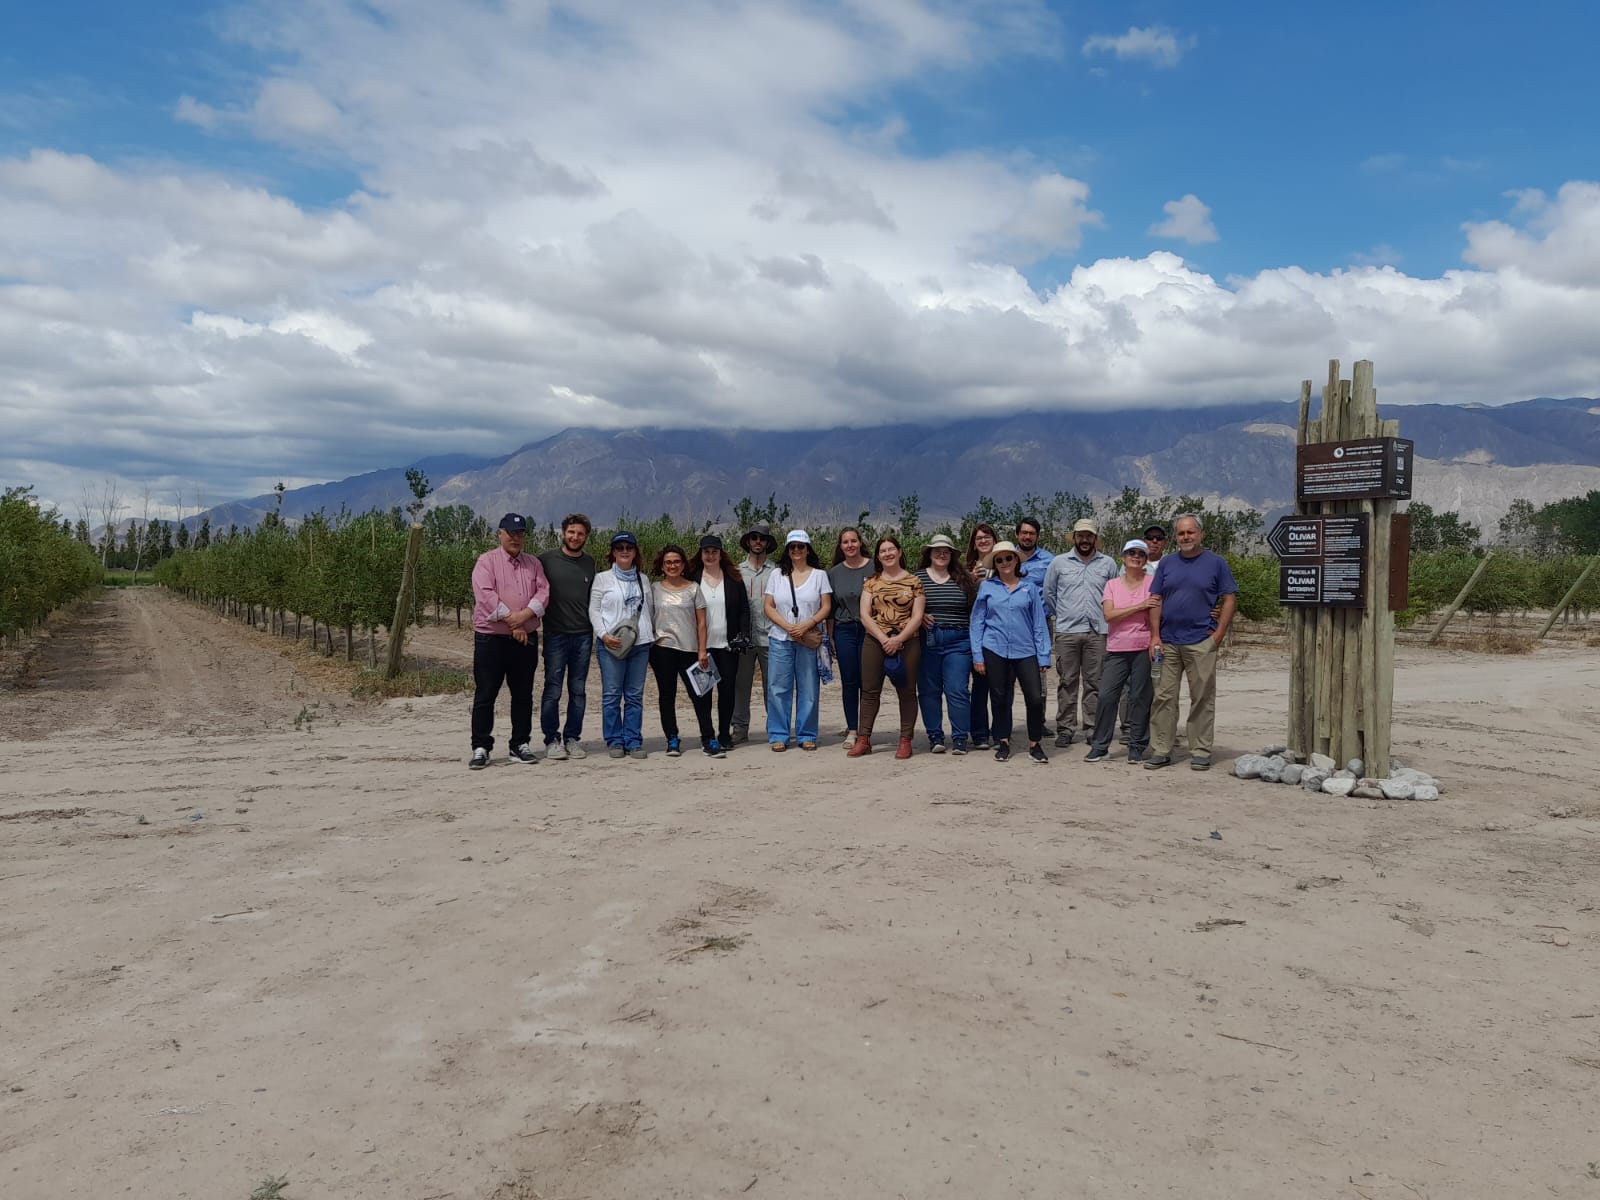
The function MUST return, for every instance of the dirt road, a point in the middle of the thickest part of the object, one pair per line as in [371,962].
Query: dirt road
[331,953]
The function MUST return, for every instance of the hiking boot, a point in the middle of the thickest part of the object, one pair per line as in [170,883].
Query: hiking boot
[1037,755]
[479,759]
[674,748]
[522,754]
[1002,751]
[575,749]
[1096,755]
[555,751]
[1156,761]
[1200,764]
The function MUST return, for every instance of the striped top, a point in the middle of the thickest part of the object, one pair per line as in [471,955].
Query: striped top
[946,602]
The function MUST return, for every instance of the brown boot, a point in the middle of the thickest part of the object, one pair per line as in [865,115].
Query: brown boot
[905,748]
[862,747]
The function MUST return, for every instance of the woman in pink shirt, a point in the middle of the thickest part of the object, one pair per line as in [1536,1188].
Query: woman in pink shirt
[1127,606]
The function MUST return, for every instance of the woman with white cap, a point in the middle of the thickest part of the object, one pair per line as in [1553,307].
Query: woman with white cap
[1010,646]
[946,643]
[622,618]
[797,602]
[1128,607]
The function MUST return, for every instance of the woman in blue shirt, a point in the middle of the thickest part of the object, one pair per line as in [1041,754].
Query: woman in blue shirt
[1011,645]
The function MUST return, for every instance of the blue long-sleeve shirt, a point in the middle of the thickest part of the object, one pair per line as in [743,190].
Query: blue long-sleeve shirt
[1009,622]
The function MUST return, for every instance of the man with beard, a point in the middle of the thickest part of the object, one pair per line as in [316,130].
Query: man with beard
[568,639]
[1074,600]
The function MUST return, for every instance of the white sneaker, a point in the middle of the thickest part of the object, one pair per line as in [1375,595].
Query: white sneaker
[555,751]
[574,749]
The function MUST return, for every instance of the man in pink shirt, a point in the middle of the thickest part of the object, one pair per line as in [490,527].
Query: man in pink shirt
[510,592]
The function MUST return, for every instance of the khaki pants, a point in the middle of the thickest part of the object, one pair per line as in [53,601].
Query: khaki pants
[1078,661]
[1198,664]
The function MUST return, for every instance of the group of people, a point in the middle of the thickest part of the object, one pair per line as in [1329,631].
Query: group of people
[955,637]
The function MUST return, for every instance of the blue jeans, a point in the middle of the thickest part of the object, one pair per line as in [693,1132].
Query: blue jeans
[946,667]
[794,683]
[565,655]
[847,640]
[622,696]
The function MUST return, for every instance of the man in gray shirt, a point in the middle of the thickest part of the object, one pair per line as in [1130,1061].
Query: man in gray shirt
[1074,599]
[755,570]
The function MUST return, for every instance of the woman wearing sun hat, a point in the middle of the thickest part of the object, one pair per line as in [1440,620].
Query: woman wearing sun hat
[754,572]
[621,615]
[1127,661]
[946,667]
[1010,646]
[797,602]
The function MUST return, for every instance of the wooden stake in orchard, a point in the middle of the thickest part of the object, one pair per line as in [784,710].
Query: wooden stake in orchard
[1344,570]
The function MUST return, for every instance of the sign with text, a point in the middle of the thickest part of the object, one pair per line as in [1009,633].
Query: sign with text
[1362,469]
[1323,560]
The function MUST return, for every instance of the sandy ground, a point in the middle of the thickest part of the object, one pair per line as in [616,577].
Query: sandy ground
[237,948]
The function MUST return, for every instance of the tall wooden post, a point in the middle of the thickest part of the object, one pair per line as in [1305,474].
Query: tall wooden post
[1341,659]
[402,604]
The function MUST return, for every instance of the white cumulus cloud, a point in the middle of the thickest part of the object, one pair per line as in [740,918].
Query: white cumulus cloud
[1188,220]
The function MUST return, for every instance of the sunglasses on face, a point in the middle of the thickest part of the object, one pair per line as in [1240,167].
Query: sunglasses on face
[1134,554]
[1005,558]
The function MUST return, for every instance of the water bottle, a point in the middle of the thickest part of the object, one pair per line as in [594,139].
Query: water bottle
[1157,659]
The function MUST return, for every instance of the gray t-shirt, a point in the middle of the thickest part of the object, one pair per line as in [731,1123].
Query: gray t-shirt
[676,627]
[847,583]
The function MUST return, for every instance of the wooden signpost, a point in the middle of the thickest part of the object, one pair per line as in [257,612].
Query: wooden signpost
[1339,565]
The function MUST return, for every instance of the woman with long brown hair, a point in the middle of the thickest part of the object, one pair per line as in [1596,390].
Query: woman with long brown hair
[982,710]
[891,613]
[680,620]
[727,625]
[848,575]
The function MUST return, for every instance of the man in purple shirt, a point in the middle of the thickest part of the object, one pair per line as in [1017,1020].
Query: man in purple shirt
[509,592]
[1187,588]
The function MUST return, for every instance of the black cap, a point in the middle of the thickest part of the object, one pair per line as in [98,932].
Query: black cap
[711,542]
[514,523]
[1161,529]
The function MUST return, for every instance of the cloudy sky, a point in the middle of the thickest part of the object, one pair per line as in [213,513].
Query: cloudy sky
[302,239]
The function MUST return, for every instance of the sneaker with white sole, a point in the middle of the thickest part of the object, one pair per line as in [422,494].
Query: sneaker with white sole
[555,751]
[479,759]
[1037,756]
[936,748]
[674,747]
[522,754]
[575,749]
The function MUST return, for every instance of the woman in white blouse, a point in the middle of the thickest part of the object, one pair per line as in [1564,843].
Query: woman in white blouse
[727,625]
[797,602]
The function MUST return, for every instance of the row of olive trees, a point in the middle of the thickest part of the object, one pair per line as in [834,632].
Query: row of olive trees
[41,566]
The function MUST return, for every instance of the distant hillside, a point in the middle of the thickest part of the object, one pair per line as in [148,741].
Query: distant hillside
[1474,460]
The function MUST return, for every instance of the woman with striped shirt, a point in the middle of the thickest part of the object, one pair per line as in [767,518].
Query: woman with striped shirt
[946,643]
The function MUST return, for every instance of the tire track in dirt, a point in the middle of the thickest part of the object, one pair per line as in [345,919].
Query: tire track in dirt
[141,658]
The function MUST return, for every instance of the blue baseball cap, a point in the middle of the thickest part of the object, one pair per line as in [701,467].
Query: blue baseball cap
[623,537]
[514,523]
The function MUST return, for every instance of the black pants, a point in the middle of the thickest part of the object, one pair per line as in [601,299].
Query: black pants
[727,662]
[499,658]
[1003,674]
[669,665]
[1130,670]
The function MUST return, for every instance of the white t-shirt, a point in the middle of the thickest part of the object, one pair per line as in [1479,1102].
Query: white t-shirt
[716,614]
[807,599]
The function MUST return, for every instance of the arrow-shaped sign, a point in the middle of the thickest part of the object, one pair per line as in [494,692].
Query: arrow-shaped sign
[1296,537]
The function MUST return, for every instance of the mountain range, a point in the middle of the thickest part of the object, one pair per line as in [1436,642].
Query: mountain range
[1473,459]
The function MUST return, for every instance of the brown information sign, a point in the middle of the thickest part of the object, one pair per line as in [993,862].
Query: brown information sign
[1323,560]
[1362,469]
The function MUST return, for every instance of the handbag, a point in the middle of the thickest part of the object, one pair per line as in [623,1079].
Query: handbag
[626,631]
[811,639]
